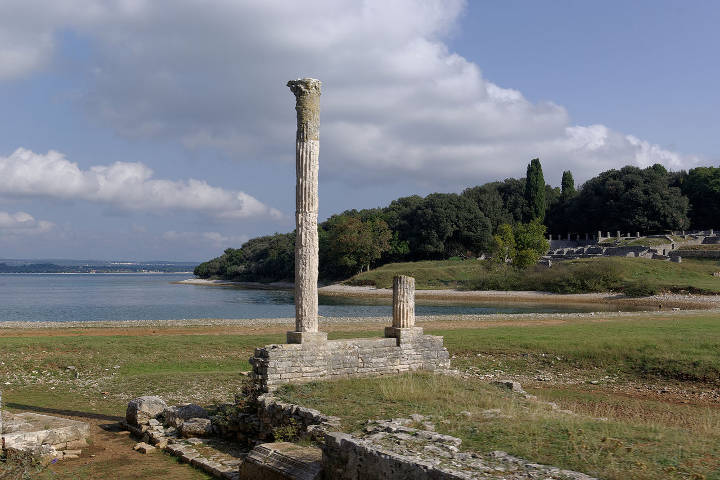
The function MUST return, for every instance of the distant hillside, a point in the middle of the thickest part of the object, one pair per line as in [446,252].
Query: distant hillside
[16,266]
[632,276]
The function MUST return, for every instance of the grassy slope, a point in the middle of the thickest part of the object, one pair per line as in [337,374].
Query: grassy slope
[575,276]
[678,348]
[643,438]
[634,442]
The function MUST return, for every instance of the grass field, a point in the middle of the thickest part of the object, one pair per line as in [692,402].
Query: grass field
[634,276]
[646,434]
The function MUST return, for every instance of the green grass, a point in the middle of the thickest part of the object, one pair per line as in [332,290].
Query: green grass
[643,438]
[619,447]
[634,276]
[669,348]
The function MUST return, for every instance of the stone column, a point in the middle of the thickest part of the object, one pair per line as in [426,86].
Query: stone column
[403,301]
[599,236]
[307,148]
[403,324]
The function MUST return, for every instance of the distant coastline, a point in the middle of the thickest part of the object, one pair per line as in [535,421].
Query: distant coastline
[654,302]
[93,267]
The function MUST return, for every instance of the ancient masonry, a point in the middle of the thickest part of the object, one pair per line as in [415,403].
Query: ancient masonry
[307,149]
[308,355]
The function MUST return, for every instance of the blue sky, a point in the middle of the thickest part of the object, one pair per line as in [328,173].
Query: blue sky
[163,129]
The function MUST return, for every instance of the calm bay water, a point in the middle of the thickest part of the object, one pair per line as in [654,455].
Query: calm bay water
[78,297]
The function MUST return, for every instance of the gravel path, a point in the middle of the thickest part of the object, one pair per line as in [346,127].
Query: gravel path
[425,320]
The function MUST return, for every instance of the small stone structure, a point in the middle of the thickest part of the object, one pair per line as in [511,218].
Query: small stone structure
[308,355]
[405,348]
[282,461]
[43,435]
[398,448]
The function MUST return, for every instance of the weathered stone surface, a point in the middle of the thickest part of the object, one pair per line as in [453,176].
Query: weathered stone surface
[142,409]
[403,301]
[307,148]
[196,427]
[391,449]
[282,461]
[176,415]
[275,365]
[29,431]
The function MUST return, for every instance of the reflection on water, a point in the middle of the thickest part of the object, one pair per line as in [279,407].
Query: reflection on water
[72,297]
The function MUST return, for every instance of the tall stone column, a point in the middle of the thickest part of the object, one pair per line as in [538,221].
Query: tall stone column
[403,326]
[307,148]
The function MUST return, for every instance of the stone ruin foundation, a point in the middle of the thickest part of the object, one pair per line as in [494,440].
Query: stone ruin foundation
[308,355]
[42,436]
[404,349]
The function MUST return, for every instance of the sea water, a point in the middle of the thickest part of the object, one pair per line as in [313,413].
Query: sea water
[109,297]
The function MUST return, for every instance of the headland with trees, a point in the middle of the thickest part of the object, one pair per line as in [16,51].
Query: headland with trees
[506,220]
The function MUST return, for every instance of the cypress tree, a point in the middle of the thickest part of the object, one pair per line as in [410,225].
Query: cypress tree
[535,191]
[568,185]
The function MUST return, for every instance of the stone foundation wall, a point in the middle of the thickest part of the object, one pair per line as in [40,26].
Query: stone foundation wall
[307,422]
[275,365]
[696,253]
[348,458]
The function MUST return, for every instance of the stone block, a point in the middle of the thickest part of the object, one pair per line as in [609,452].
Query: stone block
[306,337]
[196,427]
[142,409]
[282,461]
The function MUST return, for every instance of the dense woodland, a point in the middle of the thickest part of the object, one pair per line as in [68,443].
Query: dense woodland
[508,219]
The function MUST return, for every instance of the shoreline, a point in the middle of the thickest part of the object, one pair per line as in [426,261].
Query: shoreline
[656,302]
[429,321]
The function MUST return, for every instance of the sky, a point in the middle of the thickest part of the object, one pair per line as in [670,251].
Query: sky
[164,129]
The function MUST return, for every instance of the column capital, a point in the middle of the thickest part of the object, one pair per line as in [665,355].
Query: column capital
[303,87]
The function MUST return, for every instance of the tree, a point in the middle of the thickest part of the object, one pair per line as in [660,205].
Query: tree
[567,185]
[501,202]
[530,243]
[535,191]
[504,250]
[444,225]
[630,199]
[702,187]
[353,244]
[523,244]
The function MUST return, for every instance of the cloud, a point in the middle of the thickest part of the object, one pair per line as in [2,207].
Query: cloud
[21,223]
[122,184]
[397,104]
[213,238]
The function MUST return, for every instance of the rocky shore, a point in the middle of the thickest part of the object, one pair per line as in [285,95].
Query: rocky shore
[655,302]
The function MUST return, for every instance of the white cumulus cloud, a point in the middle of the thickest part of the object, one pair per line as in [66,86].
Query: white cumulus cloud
[215,239]
[21,223]
[127,185]
[397,103]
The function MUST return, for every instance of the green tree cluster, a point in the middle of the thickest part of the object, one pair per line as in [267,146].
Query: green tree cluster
[509,216]
[522,244]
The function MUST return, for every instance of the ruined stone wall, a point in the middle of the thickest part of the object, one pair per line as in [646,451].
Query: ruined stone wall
[349,458]
[695,253]
[308,423]
[278,364]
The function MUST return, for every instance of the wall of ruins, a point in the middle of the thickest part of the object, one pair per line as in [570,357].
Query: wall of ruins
[275,365]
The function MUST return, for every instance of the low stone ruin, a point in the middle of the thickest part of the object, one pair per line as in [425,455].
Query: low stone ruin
[254,438]
[405,348]
[43,436]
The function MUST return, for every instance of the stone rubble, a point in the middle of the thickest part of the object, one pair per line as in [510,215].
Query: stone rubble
[392,445]
[44,436]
